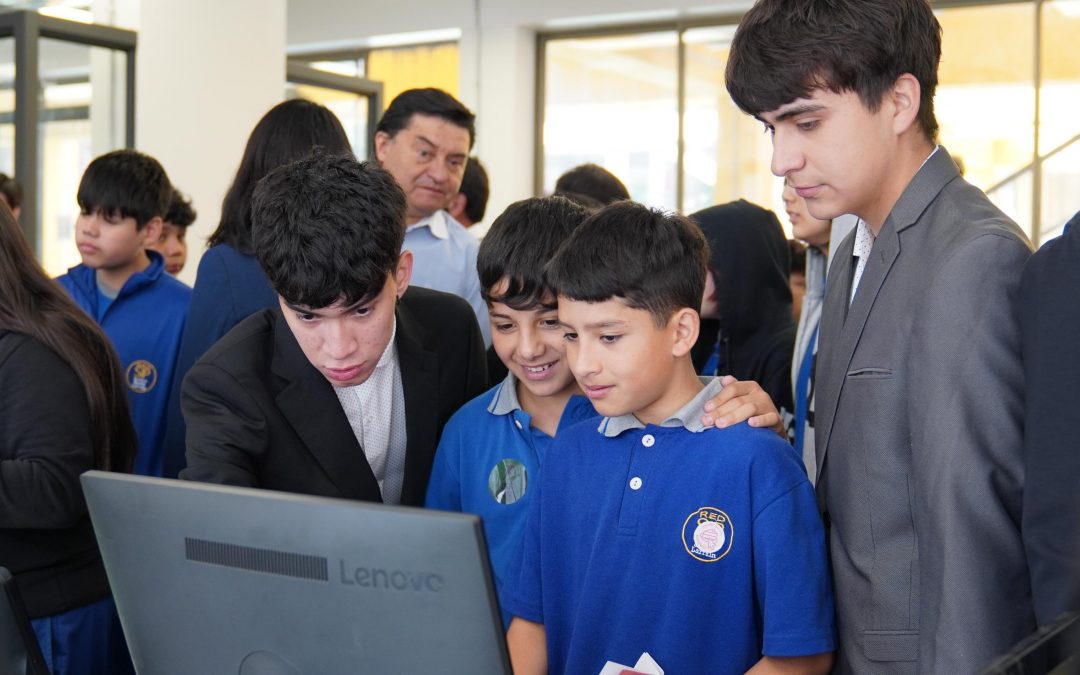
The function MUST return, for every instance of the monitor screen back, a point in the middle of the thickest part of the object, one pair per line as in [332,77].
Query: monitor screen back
[213,579]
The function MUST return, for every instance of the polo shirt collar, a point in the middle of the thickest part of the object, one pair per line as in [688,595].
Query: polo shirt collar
[688,416]
[505,400]
[436,223]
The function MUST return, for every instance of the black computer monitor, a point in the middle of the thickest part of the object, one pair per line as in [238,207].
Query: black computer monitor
[213,579]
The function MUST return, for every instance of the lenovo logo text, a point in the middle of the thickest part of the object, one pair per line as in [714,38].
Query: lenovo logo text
[396,580]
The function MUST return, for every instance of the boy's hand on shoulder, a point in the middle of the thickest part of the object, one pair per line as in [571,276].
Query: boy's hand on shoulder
[742,401]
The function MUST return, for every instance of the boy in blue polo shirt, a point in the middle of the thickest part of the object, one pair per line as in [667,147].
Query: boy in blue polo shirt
[647,532]
[490,451]
[123,197]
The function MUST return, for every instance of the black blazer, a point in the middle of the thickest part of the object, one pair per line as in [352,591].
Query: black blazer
[45,443]
[260,415]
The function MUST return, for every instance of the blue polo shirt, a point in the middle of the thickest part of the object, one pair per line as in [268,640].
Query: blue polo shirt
[702,547]
[487,463]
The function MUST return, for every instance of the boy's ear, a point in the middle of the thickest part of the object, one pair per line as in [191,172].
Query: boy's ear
[403,272]
[685,324]
[151,232]
[906,98]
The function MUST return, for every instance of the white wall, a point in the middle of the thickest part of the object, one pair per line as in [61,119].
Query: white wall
[498,57]
[206,72]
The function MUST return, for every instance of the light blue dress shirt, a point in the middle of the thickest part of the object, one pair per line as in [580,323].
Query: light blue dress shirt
[444,259]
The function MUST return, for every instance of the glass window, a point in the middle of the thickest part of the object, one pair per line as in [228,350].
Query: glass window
[401,68]
[727,153]
[1059,126]
[350,108]
[614,101]
[986,97]
[7,106]
[83,115]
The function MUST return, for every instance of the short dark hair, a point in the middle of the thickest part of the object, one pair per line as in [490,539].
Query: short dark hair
[592,180]
[11,190]
[518,245]
[474,185]
[429,101]
[785,49]
[647,258]
[328,228]
[125,184]
[582,200]
[286,133]
[180,212]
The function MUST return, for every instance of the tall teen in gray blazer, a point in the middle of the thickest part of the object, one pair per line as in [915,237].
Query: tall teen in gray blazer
[919,403]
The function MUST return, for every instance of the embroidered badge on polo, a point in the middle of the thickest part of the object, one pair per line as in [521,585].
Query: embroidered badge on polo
[508,481]
[707,534]
[141,376]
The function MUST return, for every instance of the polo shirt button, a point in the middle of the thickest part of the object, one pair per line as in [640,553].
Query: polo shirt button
[517,423]
[635,483]
[647,440]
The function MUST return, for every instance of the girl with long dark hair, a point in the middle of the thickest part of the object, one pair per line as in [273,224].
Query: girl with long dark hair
[63,411]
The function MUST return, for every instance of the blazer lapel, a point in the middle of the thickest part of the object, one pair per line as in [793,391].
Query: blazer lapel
[313,410]
[844,324]
[884,254]
[420,385]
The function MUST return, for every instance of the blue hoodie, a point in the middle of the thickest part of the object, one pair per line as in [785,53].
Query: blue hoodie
[144,322]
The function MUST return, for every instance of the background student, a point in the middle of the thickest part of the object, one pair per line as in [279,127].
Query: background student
[746,327]
[172,244]
[592,182]
[817,234]
[123,197]
[469,204]
[62,412]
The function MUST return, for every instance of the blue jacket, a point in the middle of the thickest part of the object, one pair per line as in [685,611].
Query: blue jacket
[144,323]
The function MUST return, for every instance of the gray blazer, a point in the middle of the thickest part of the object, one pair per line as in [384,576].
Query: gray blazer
[919,444]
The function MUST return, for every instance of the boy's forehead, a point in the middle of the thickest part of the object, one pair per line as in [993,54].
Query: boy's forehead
[339,306]
[815,101]
[547,304]
[604,311]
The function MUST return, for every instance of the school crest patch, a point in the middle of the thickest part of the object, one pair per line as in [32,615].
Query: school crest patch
[141,376]
[508,481]
[707,534]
